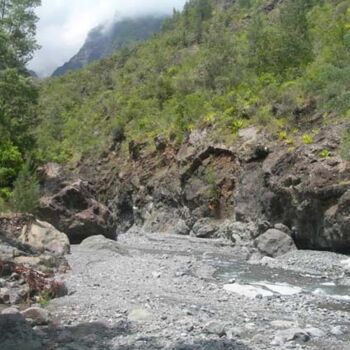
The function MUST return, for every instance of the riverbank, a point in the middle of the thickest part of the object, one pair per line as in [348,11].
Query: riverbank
[169,292]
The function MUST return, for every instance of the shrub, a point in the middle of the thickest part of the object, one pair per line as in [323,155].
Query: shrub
[308,139]
[283,135]
[10,164]
[237,125]
[26,192]
[325,153]
[213,191]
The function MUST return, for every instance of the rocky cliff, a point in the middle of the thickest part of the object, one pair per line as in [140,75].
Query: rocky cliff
[227,116]
[199,186]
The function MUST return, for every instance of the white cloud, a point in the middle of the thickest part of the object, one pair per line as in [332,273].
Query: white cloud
[64,24]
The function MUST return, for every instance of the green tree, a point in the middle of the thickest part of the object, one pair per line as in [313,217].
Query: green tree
[18,93]
[259,45]
[292,46]
[17,32]
[10,163]
[26,193]
[203,12]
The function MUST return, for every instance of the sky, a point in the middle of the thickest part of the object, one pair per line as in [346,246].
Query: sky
[64,25]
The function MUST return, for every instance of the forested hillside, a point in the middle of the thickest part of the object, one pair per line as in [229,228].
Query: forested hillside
[225,63]
[105,40]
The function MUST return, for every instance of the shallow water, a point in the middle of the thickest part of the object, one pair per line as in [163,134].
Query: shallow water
[265,279]
[278,281]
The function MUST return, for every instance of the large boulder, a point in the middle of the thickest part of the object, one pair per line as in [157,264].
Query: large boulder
[274,243]
[14,251]
[75,211]
[95,243]
[43,235]
[241,233]
[17,334]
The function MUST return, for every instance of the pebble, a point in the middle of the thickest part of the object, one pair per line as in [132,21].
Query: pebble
[156,274]
[315,332]
[337,331]
[187,312]
[5,295]
[215,327]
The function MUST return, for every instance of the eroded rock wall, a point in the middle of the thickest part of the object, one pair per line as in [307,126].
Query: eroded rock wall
[258,178]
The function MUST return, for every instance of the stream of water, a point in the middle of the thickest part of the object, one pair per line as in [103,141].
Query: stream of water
[274,281]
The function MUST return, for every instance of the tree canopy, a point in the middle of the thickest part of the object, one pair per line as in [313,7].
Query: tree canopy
[18,93]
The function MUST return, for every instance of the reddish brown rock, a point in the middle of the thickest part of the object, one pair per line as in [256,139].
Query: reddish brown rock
[75,211]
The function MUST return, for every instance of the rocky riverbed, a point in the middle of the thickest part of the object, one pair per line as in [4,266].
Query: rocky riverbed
[153,291]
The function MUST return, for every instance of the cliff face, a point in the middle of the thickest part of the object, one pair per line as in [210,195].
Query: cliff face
[104,41]
[257,180]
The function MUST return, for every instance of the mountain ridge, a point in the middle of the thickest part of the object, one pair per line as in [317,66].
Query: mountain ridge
[102,42]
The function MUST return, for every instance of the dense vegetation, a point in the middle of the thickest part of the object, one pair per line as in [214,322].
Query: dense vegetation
[221,63]
[103,41]
[18,95]
[225,63]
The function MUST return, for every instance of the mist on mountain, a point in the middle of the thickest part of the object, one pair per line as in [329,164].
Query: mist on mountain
[104,40]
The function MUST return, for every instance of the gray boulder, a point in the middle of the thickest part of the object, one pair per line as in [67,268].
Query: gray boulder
[38,315]
[274,243]
[215,327]
[204,228]
[293,334]
[102,243]
[238,232]
[17,334]
[296,334]
[43,235]
[180,228]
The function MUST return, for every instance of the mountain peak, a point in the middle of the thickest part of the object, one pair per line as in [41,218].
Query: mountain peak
[104,40]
